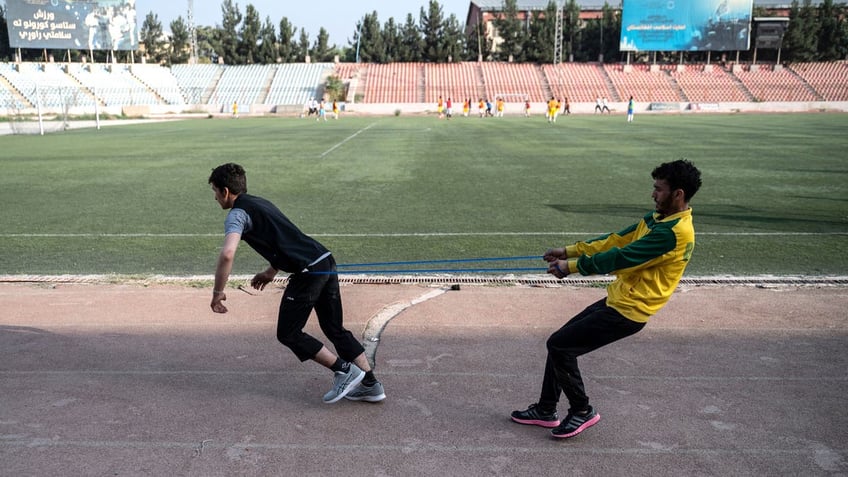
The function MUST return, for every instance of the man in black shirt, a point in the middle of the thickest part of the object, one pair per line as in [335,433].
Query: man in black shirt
[313,283]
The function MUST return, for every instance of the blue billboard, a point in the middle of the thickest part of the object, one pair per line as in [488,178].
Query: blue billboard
[685,25]
[72,24]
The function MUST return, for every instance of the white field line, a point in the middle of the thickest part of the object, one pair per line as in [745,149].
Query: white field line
[357,133]
[409,234]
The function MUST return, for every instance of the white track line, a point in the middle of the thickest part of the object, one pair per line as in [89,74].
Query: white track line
[357,133]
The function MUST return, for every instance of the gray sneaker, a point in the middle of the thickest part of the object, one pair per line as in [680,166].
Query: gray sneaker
[343,383]
[362,392]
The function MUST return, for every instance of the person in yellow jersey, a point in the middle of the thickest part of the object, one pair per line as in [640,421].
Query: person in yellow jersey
[553,108]
[466,106]
[481,107]
[440,107]
[499,107]
[648,259]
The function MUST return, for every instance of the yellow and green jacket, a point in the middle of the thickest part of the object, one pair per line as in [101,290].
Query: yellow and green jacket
[647,258]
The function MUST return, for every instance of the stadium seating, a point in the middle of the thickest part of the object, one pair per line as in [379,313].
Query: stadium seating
[196,81]
[394,83]
[702,86]
[63,85]
[516,81]
[830,80]
[55,89]
[114,88]
[297,82]
[579,82]
[458,81]
[346,71]
[642,83]
[160,81]
[241,83]
[767,84]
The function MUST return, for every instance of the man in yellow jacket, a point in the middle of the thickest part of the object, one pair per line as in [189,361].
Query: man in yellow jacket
[648,260]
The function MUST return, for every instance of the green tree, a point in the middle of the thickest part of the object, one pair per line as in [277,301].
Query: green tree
[610,33]
[208,44]
[539,44]
[334,88]
[302,50]
[287,42]
[267,52]
[231,18]
[432,27]
[321,50]
[392,40]
[830,31]
[411,44]
[801,38]
[454,40]
[371,49]
[248,46]
[511,32]
[151,37]
[179,52]
[571,25]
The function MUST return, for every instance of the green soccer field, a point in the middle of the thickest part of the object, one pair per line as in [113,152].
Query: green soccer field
[134,200]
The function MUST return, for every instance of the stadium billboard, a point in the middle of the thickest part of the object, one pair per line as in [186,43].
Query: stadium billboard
[685,25]
[72,24]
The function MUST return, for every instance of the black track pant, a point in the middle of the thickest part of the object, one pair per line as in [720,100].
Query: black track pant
[304,292]
[596,326]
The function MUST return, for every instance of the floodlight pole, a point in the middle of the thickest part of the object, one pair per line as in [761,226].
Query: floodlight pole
[358,39]
[192,34]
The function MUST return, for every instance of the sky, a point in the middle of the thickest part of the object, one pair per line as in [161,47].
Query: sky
[338,17]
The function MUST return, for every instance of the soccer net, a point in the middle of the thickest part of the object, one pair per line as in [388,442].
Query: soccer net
[41,109]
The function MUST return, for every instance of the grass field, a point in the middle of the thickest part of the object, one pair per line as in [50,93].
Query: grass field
[134,200]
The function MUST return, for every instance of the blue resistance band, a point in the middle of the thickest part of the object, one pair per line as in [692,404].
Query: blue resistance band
[423,262]
[435,270]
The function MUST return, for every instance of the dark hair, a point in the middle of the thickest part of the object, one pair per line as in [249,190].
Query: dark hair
[231,176]
[680,174]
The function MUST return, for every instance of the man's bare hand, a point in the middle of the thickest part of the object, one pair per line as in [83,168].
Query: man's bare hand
[558,268]
[554,254]
[217,299]
[263,278]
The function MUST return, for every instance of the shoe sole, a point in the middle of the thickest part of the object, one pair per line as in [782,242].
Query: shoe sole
[536,422]
[377,398]
[350,387]
[583,427]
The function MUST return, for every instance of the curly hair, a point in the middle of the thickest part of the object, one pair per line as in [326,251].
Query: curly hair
[680,174]
[231,176]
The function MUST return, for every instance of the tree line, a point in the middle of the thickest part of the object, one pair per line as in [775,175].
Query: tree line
[815,33]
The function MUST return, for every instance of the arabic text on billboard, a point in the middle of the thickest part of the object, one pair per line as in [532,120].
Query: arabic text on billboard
[685,25]
[71,24]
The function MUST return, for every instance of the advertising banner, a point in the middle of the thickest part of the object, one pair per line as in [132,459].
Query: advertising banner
[72,24]
[685,25]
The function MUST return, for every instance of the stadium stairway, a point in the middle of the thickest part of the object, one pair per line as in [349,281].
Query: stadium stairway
[610,86]
[543,81]
[749,96]
[806,85]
